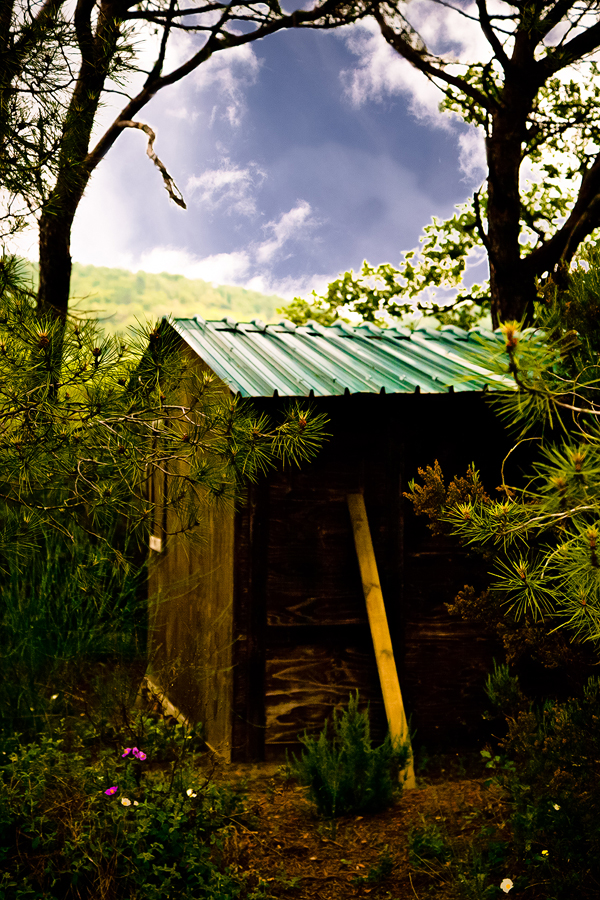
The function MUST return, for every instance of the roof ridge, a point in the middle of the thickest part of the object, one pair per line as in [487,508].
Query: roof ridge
[345,326]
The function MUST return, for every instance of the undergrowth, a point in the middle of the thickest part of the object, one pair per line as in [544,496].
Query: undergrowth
[549,766]
[99,799]
[344,773]
[539,835]
[80,818]
[65,610]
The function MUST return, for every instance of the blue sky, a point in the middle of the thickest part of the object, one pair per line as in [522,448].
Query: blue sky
[298,157]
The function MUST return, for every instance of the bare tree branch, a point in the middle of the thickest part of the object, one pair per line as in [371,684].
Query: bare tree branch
[583,219]
[218,40]
[579,47]
[172,189]
[419,60]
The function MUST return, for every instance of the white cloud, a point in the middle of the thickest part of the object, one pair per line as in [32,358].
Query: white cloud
[223,268]
[241,267]
[227,74]
[449,33]
[289,226]
[472,154]
[227,186]
[382,72]
[251,266]
[290,287]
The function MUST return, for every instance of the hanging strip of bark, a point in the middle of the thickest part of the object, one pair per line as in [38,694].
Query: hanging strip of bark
[172,189]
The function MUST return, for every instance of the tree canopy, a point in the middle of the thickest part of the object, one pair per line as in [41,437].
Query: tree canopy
[541,535]
[534,96]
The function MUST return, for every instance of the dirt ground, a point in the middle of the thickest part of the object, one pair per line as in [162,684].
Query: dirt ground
[301,856]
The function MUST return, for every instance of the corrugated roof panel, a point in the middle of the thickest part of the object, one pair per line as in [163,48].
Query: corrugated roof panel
[347,364]
[403,370]
[414,357]
[257,360]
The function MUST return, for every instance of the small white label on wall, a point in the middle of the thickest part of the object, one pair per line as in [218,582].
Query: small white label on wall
[155,543]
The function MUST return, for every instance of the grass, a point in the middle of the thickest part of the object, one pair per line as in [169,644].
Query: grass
[65,611]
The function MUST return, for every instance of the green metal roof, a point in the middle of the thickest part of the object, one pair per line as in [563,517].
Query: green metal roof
[258,360]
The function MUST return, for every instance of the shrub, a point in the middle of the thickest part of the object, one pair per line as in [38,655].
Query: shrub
[552,776]
[344,772]
[427,843]
[94,822]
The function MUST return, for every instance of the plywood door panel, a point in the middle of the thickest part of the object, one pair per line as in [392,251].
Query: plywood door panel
[305,683]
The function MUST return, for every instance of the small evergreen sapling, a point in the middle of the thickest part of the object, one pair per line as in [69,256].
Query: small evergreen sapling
[343,771]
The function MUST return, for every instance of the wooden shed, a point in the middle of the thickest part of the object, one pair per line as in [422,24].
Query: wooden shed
[261,630]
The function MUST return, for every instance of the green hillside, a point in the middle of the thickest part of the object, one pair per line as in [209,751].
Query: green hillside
[119,297]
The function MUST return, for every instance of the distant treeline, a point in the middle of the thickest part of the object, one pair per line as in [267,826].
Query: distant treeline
[119,298]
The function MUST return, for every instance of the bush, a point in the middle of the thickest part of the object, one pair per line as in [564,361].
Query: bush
[97,800]
[344,773]
[93,822]
[552,776]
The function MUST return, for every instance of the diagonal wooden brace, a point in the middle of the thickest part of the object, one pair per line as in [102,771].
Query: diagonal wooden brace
[380,632]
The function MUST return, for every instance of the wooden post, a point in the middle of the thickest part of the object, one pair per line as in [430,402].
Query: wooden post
[380,632]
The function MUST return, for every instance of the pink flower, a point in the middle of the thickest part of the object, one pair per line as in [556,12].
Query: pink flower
[112,790]
[139,754]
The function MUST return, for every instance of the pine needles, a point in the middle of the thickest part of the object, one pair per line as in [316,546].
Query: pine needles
[343,771]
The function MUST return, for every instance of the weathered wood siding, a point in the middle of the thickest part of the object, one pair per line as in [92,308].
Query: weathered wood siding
[191,607]
[266,619]
[301,580]
[191,598]
[299,600]
[445,659]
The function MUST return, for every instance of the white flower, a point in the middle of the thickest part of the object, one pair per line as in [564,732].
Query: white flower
[125,801]
[556,806]
[191,793]
[54,697]
[135,803]
[506,885]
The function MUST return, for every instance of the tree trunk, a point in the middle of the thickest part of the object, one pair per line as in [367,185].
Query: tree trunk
[512,292]
[55,265]
[97,51]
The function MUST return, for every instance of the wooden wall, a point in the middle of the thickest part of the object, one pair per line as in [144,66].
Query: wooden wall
[190,642]
[445,659]
[190,590]
[298,583]
[298,596]
[266,618]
